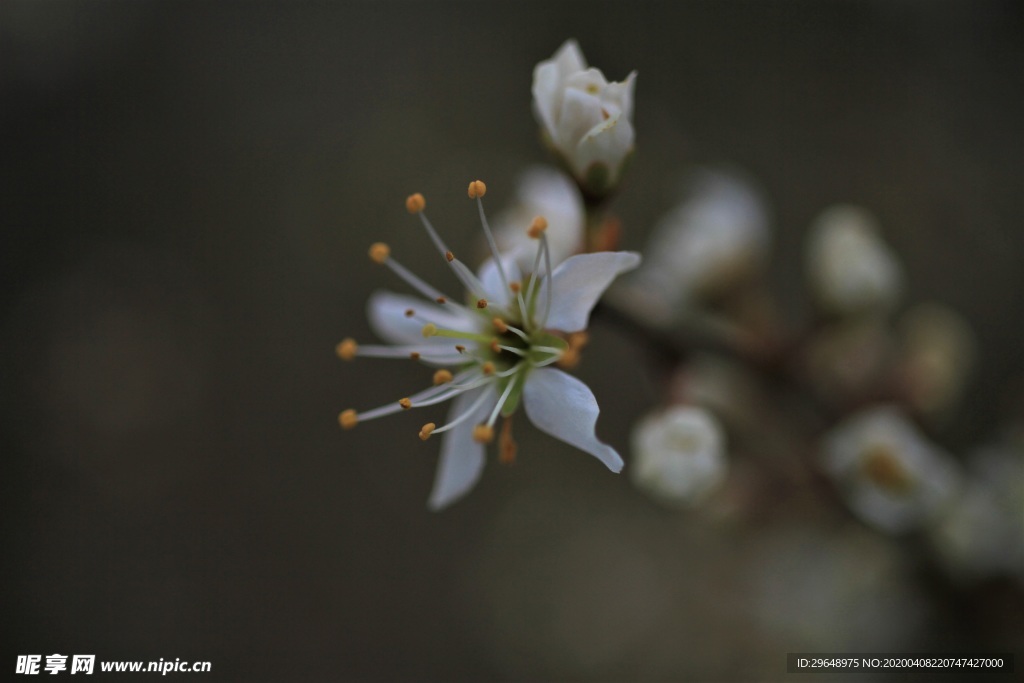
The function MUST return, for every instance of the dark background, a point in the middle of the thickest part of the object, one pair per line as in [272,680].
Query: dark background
[187,194]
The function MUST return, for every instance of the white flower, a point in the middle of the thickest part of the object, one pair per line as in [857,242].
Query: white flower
[851,269]
[499,346]
[890,475]
[586,119]
[679,455]
[544,192]
[716,238]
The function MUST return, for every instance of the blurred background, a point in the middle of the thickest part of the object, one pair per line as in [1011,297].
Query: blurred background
[188,192]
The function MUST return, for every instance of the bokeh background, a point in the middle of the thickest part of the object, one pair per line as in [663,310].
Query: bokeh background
[187,194]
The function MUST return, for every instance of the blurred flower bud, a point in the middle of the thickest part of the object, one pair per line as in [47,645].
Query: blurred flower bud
[543,192]
[585,119]
[678,455]
[850,268]
[938,353]
[714,240]
[890,475]
[983,534]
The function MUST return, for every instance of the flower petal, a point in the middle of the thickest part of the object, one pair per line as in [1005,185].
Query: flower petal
[386,313]
[462,458]
[494,288]
[565,408]
[548,81]
[579,282]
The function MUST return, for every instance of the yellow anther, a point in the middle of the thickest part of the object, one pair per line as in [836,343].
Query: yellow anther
[487,368]
[495,346]
[481,303]
[500,325]
[348,419]
[379,252]
[483,434]
[426,430]
[450,256]
[415,355]
[539,225]
[405,403]
[569,359]
[347,349]
[441,300]
[477,189]
[415,203]
[515,286]
[442,377]
[429,330]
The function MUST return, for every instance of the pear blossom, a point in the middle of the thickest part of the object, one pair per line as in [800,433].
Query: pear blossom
[851,269]
[679,455]
[891,476]
[585,119]
[494,349]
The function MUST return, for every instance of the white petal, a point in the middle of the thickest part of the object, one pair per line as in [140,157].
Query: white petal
[462,458]
[608,142]
[579,282]
[565,408]
[386,313]
[549,82]
[580,112]
[494,288]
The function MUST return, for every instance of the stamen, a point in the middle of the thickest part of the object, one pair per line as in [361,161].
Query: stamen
[538,226]
[409,313]
[429,330]
[460,348]
[477,189]
[442,377]
[347,349]
[405,403]
[483,434]
[515,286]
[426,430]
[449,256]
[379,252]
[501,401]
[441,300]
[499,325]
[484,395]
[415,355]
[487,368]
[415,203]
[347,419]
[481,303]
[547,273]
[412,280]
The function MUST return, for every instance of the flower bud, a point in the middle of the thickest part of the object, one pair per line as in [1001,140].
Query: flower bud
[586,120]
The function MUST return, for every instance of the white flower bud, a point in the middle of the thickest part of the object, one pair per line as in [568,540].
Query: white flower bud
[715,239]
[850,268]
[678,455]
[891,477]
[586,119]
